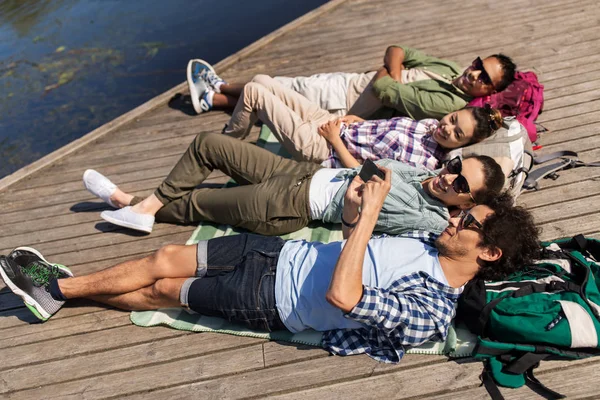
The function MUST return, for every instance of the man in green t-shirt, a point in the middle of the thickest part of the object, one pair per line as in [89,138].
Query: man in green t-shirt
[410,83]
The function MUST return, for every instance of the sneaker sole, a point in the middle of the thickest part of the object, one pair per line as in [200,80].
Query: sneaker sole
[193,92]
[37,253]
[31,304]
[126,224]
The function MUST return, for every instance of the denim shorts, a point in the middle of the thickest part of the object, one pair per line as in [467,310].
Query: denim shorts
[235,280]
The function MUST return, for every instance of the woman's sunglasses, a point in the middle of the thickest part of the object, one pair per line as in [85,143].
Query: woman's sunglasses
[460,184]
[483,77]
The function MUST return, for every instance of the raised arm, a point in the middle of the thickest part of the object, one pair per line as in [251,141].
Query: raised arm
[346,287]
[393,62]
[331,132]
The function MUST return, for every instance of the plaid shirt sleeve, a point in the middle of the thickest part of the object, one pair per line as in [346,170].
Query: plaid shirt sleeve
[415,309]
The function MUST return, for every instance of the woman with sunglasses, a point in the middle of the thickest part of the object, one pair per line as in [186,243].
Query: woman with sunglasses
[278,195]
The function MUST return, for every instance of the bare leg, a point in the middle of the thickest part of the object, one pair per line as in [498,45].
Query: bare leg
[232,89]
[120,198]
[224,101]
[228,98]
[171,261]
[150,205]
[163,293]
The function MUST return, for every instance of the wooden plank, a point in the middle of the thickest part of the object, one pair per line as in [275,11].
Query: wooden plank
[77,346]
[85,323]
[153,351]
[568,209]
[585,224]
[292,376]
[158,375]
[448,385]
[572,382]
[322,371]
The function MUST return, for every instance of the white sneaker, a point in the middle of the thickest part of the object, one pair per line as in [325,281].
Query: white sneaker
[99,185]
[198,86]
[128,218]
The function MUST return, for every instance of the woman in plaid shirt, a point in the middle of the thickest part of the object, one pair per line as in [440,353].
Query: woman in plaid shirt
[421,143]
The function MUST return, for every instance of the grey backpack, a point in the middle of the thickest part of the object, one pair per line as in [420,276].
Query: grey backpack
[510,147]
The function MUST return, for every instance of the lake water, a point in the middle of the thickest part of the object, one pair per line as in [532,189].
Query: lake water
[69,66]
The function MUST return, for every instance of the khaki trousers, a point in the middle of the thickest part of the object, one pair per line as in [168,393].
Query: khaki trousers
[272,199]
[292,118]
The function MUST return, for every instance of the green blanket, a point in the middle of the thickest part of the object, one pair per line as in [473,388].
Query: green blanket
[459,343]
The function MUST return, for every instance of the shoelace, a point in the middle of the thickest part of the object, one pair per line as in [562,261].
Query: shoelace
[41,273]
[209,76]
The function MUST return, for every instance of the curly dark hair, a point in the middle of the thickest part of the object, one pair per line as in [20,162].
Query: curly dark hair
[493,178]
[509,68]
[512,230]
[487,121]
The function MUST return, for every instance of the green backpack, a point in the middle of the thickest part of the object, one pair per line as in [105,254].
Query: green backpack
[549,310]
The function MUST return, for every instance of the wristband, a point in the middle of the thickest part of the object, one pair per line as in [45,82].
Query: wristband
[348,225]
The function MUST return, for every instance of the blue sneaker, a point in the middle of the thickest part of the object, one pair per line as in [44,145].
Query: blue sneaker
[213,80]
[197,85]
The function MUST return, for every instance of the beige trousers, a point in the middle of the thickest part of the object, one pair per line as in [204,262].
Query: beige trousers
[292,118]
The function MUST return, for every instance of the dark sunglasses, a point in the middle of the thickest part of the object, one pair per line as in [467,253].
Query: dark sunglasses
[460,184]
[467,220]
[484,77]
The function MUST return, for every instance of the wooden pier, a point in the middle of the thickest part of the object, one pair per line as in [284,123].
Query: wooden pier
[90,352]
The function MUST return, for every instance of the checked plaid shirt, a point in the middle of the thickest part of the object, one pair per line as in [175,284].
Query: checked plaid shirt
[415,309]
[401,139]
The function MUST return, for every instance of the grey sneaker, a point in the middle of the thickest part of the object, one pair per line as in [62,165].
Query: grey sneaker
[28,275]
[128,218]
[197,85]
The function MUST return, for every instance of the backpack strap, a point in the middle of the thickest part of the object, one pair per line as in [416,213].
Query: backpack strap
[568,160]
[551,156]
[531,182]
[524,363]
[534,384]
[487,380]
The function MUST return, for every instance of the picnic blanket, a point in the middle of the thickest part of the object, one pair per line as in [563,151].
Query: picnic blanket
[459,343]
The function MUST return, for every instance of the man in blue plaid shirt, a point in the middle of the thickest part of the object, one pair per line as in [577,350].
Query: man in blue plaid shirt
[368,295]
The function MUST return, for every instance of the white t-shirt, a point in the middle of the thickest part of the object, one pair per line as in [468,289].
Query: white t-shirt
[323,186]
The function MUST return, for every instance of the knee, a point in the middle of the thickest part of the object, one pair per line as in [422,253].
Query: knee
[165,289]
[163,258]
[204,143]
[251,89]
[262,79]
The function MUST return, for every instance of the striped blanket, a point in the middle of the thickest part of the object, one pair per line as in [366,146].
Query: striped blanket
[459,343]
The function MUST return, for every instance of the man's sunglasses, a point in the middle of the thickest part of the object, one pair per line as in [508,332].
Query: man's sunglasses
[483,77]
[460,184]
[467,220]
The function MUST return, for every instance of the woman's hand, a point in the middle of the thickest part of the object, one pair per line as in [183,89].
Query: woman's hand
[330,131]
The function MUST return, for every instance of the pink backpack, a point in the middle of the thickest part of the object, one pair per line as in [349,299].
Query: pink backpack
[524,98]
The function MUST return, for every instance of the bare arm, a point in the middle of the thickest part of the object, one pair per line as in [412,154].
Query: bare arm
[381,73]
[346,287]
[393,62]
[331,132]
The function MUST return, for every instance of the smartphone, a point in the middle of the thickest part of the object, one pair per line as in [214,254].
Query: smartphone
[369,169]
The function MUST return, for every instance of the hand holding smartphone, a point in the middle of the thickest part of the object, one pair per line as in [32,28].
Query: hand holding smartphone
[368,170]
